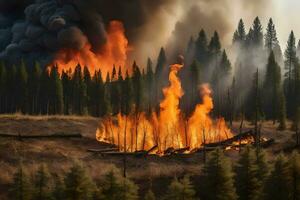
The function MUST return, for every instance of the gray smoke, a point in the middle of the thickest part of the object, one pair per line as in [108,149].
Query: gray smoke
[36,30]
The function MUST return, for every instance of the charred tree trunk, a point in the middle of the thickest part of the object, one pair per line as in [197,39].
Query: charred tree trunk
[124,158]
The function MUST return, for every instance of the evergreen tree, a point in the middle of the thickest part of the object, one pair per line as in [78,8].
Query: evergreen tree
[290,65]
[78,184]
[42,189]
[149,86]
[56,95]
[88,82]
[3,88]
[272,89]
[67,89]
[271,40]
[137,88]
[21,189]
[254,101]
[296,124]
[44,94]
[247,182]
[58,192]
[116,187]
[115,93]
[194,81]
[181,189]
[161,63]
[218,178]
[215,46]
[34,86]
[278,187]
[149,195]
[294,165]
[257,35]
[127,95]
[263,167]
[240,33]
[201,49]
[282,112]
[21,88]
[79,92]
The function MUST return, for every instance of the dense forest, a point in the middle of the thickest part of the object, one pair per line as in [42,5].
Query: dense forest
[251,177]
[261,83]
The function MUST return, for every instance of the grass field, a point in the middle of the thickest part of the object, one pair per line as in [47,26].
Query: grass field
[60,153]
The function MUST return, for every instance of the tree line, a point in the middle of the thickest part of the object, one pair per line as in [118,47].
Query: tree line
[263,83]
[251,177]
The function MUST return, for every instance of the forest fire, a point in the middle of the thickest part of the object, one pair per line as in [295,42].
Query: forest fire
[113,52]
[168,129]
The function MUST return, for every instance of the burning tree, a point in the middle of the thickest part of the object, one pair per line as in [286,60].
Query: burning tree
[169,128]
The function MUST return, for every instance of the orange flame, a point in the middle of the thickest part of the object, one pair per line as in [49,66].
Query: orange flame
[168,129]
[114,52]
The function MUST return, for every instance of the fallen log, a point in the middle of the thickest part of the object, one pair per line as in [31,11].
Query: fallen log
[268,143]
[229,141]
[56,135]
[102,150]
[152,149]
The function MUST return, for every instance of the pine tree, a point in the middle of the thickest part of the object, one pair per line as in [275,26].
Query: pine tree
[137,88]
[296,124]
[44,93]
[271,40]
[127,95]
[194,81]
[278,186]
[180,189]
[87,78]
[218,178]
[58,192]
[215,45]
[116,187]
[3,88]
[21,189]
[149,195]
[282,112]
[79,92]
[160,74]
[263,167]
[247,182]
[294,168]
[240,33]
[56,95]
[67,89]
[34,86]
[161,63]
[149,86]
[272,90]
[201,49]
[257,35]
[42,189]
[78,184]
[290,63]
[21,88]
[115,91]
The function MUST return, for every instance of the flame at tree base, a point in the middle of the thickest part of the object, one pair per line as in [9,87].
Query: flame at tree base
[168,129]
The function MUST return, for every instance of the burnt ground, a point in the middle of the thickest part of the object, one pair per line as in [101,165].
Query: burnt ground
[60,153]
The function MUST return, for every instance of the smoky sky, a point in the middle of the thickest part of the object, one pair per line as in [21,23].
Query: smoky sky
[37,29]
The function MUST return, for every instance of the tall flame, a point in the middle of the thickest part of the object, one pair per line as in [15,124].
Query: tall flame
[168,129]
[113,52]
